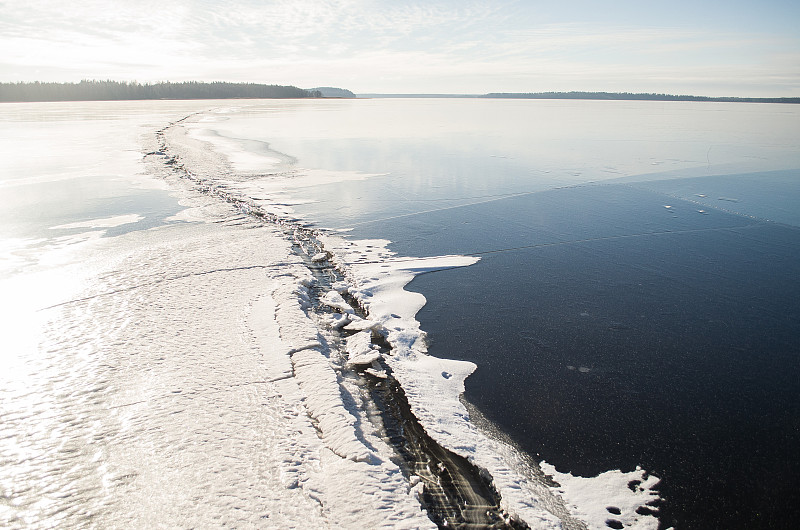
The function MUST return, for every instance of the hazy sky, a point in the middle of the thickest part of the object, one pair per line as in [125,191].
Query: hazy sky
[716,48]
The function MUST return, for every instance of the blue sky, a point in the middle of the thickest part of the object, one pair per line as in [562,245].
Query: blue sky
[732,48]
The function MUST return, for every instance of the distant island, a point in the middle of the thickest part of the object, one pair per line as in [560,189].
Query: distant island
[332,92]
[115,90]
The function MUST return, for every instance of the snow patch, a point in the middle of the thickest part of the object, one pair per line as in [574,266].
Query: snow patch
[608,497]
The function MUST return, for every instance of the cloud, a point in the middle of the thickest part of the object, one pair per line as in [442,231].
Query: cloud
[377,45]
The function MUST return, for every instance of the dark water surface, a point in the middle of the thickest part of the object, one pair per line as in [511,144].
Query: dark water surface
[637,300]
[611,331]
[628,335]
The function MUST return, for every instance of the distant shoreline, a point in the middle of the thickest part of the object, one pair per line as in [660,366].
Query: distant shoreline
[603,96]
[123,91]
[627,96]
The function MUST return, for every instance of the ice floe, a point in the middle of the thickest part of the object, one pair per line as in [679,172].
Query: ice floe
[610,497]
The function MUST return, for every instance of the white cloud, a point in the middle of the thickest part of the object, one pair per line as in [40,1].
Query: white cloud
[376,45]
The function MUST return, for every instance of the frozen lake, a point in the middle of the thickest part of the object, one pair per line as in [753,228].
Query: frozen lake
[626,294]
[635,302]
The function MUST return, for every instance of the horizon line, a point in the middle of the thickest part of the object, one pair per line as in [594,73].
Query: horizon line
[572,94]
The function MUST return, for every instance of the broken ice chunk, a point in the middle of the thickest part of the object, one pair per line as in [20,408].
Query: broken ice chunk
[361,325]
[334,300]
[359,344]
[377,373]
[360,349]
[338,320]
[363,360]
[340,287]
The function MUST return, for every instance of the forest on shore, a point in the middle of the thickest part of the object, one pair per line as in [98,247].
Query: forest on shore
[115,90]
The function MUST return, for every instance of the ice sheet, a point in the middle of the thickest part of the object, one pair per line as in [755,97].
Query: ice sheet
[250,167]
[376,278]
[171,377]
[108,222]
[242,160]
[612,497]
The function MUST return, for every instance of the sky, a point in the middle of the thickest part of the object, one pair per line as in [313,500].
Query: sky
[699,47]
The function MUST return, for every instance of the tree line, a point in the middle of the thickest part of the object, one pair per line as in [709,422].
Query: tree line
[115,90]
[627,96]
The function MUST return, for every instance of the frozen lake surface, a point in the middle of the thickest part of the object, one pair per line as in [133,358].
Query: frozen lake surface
[619,279]
[635,302]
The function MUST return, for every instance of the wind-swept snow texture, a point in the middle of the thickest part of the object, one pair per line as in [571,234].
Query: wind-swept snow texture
[347,459]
